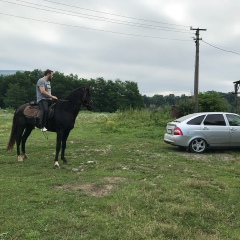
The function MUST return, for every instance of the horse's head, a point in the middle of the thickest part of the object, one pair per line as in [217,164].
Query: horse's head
[87,100]
[82,97]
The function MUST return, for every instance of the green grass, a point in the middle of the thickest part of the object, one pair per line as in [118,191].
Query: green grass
[122,182]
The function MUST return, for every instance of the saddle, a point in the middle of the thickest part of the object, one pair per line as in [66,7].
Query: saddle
[33,110]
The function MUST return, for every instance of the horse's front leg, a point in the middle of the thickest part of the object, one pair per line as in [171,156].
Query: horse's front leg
[64,144]
[58,147]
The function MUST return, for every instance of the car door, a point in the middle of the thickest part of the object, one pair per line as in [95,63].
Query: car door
[215,130]
[234,126]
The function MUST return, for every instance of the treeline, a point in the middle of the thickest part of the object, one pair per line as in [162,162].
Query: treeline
[208,101]
[107,95]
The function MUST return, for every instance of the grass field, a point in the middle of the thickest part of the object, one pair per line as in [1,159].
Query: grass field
[122,182]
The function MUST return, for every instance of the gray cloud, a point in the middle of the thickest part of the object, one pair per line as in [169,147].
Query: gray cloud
[159,66]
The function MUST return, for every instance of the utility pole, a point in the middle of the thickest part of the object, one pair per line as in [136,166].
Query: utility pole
[236,87]
[196,74]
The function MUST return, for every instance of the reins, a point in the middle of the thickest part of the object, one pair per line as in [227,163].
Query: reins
[45,135]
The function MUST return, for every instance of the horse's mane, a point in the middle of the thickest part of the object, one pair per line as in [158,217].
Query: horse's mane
[75,95]
[72,100]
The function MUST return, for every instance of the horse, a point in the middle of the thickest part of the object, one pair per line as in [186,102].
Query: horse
[64,113]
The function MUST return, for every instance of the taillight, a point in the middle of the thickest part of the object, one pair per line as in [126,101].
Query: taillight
[177,131]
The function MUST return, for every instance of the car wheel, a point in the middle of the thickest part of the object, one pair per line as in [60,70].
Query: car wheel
[198,145]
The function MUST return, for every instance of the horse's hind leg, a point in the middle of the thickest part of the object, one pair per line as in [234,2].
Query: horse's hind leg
[25,136]
[18,142]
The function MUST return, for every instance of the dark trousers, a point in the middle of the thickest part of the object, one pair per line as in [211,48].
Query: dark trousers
[44,105]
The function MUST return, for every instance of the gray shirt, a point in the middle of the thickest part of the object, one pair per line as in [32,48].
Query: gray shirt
[47,85]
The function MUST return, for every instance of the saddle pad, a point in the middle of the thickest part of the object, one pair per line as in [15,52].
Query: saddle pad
[32,111]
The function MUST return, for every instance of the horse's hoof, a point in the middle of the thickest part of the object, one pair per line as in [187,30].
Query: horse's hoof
[56,165]
[64,160]
[20,159]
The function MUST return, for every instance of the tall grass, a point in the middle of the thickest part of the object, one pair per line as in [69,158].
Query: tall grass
[131,118]
[144,117]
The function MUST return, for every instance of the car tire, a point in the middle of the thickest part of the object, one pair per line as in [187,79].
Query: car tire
[198,145]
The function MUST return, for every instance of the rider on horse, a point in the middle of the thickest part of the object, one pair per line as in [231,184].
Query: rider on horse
[44,97]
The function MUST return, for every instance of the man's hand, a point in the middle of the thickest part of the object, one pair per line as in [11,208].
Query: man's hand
[54,97]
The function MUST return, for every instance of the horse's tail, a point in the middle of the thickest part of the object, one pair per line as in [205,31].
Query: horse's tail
[13,135]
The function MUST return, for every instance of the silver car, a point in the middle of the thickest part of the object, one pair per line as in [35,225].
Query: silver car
[199,131]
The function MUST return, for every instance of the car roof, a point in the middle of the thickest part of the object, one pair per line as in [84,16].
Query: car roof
[199,114]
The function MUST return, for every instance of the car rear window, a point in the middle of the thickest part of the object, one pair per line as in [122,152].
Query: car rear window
[184,117]
[196,121]
[215,119]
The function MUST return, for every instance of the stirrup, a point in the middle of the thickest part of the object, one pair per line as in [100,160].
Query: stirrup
[43,129]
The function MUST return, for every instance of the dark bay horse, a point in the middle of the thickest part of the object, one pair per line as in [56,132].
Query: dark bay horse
[62,122]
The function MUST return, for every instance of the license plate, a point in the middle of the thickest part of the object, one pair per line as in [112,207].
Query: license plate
[169,131]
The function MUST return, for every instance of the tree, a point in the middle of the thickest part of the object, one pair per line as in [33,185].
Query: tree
[170,99]
[110,96]
[211,101]
[158,100]
[133,98]
[186,106]
[15,96]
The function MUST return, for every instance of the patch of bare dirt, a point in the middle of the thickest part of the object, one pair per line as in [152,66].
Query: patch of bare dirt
[97,190]
[115,179]
[93,189]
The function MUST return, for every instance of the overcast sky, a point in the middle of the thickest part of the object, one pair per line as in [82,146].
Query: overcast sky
[145,41]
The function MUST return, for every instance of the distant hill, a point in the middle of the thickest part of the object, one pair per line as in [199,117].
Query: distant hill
[9,72]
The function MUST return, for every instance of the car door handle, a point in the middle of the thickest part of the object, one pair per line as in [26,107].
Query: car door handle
[233,129]
[205,128]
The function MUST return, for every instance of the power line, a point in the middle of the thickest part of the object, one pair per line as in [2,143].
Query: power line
[132,24]
[221,48]
[87,9]
[92,15]
[69,25]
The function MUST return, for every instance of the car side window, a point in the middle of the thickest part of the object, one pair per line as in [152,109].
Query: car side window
[196,121]
[214,120]
[233,120]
